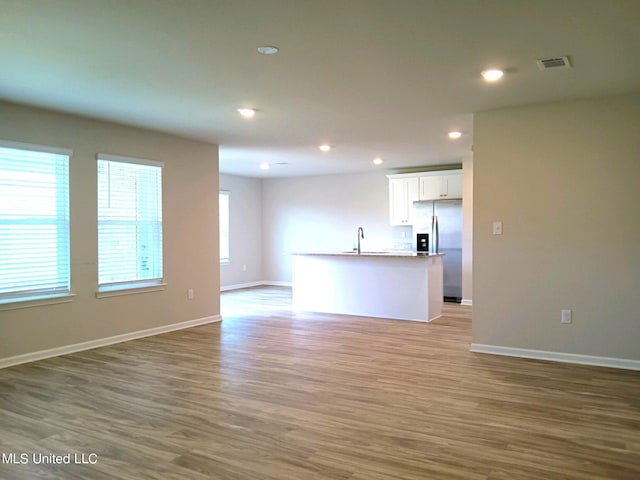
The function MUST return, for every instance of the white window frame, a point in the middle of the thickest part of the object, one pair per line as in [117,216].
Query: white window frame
[225,230]
[57,287]
[131,285]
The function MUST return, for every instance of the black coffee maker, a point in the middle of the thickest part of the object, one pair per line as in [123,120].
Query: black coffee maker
[422,243]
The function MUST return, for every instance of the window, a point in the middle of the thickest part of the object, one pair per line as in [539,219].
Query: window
[34,222]
[129,223]
[224,226]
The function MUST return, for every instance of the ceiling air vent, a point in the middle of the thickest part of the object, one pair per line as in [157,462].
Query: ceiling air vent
[553,62]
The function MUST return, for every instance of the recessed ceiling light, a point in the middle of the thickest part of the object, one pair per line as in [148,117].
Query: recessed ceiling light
[492,75]
[377,161]
[247,112]
[268,50]
[265,166]
[453,135]
[325,148]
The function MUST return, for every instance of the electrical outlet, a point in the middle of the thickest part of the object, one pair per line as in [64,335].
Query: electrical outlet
[565,316]
[190,294]
[497,228]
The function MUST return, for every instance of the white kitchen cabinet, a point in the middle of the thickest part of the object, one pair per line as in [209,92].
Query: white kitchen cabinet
[440,185]
[406,188]
[402,193]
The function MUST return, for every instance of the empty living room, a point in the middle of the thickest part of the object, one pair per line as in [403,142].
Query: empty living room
[319,240]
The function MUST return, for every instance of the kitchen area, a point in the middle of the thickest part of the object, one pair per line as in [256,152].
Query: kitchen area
[408,281]
[321,214]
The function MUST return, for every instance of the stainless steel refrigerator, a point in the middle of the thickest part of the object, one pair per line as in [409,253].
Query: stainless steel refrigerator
[442,220]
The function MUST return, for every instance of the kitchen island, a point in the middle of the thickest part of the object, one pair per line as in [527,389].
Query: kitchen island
[398,285]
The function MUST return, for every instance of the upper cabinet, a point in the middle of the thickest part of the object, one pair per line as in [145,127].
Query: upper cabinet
[441,185]
[404,189]
[402,193]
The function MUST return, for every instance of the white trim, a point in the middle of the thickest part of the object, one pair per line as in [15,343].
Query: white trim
[428,173]
[276,283]
[557,356]
[240,285]
[260,283]
[103,342]
[35,301]
[466,301]
[116,290]
[137,161]
[36,148]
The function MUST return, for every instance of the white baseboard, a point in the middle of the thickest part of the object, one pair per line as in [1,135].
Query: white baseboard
[276,283]
[466,301]
[238,286]
[557,356]
[103,342]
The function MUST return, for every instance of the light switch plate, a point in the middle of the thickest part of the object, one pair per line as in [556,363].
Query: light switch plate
[497,228]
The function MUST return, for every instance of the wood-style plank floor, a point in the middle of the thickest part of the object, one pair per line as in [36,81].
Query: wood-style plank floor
[272,394]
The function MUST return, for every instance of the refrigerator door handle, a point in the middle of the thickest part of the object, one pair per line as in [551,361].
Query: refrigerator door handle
[436,238]
[433,236]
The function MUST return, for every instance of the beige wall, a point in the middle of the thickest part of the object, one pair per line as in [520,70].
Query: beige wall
[565,180]
[245,231]
[467,231]
[190,210]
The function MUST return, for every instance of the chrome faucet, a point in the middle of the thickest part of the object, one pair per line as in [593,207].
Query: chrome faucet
[360,235]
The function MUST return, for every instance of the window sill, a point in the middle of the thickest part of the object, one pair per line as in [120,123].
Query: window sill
[36,301]
[118,290]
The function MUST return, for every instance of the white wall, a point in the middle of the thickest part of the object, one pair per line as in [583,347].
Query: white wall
[190,224]
[321,213]
[564,178]
[245,231]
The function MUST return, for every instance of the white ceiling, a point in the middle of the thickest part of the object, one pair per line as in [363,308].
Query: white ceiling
[384,78]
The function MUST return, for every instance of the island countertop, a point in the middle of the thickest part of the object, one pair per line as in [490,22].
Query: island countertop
[397,253]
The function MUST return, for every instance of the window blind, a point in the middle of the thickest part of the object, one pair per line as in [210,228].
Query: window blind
[129,222]
[34,222]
